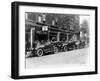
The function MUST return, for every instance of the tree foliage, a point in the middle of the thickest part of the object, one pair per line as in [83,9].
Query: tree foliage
[85,27]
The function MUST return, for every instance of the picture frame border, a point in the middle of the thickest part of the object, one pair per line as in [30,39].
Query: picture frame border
[15,39]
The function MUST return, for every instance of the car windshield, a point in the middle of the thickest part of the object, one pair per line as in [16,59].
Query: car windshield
[43,41]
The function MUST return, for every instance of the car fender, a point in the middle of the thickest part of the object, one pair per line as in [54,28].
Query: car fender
[39,46]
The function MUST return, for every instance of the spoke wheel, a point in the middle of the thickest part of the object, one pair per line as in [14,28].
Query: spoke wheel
[65,48]
[39,52]
[74,47]
[55,50]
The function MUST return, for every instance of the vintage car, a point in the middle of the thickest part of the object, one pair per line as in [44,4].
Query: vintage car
[67,46]
[82,44]
[53,47]
[79,44]
[43,48]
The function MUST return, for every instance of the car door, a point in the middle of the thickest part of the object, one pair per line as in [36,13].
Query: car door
[48,48]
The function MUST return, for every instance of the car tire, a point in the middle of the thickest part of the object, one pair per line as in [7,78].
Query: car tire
[65,48]
[56,50]
[39,52]
[74,47]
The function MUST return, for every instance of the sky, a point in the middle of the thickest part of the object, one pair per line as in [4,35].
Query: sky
[82,18]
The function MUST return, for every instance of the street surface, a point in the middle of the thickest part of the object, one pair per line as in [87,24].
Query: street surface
[62,58]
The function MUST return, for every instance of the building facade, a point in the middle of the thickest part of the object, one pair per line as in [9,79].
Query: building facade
[50,27]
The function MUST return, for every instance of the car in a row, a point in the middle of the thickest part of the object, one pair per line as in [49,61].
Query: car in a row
[54,47]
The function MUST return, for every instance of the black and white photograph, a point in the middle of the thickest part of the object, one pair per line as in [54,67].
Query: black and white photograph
[56,39]
[51,40]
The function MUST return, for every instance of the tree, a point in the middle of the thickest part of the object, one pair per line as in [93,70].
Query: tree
[85,27]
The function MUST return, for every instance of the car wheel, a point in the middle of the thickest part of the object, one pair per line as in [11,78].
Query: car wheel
[65,48]
[55,50]
[39,52]
[74,47]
